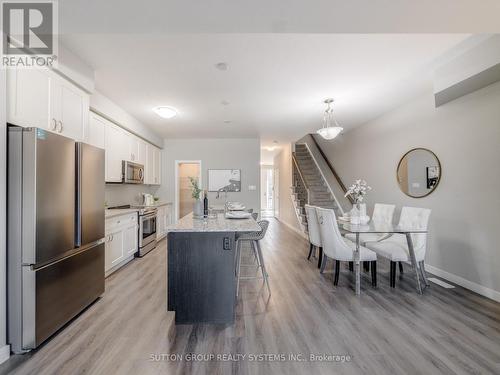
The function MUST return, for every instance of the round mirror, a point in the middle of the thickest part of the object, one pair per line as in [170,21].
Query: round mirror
[419,172]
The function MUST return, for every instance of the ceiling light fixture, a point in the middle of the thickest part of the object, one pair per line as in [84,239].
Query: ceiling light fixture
[222,66]
[165,112]
[330,128]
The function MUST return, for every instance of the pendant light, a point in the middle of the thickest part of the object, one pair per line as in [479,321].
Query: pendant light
[330,127]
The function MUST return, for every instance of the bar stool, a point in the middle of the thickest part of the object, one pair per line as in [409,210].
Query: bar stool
[253,238]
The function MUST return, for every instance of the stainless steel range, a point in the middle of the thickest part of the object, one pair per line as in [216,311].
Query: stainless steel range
[147,227]
[147,230]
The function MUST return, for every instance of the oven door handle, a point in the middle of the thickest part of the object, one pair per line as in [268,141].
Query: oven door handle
[148,216]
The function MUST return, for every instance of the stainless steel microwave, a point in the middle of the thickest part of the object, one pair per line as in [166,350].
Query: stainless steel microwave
[133,173]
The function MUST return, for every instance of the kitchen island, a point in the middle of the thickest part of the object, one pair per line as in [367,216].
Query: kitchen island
[201,270]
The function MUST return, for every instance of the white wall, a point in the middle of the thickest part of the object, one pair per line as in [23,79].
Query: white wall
[283,162]
[465,136]
[214,153]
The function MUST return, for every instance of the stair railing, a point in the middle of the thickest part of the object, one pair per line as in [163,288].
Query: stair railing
[323,175]
[301,177]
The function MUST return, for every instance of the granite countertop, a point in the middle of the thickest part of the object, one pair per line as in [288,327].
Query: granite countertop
[119,211]
[219,224]
[159,204]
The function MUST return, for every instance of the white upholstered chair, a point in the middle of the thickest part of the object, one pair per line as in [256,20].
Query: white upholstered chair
[395,248]
[339,249]
[382,213]
[313,230]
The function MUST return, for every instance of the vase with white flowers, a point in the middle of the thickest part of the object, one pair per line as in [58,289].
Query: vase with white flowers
[357,192]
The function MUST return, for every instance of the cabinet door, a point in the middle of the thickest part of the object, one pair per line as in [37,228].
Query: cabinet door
[28,93]
[113,137]
[159,223]
[142,152]
[114,249]
[156,166]
[134,148]
[130,242]
[149,164]
[95,130]
[69,108]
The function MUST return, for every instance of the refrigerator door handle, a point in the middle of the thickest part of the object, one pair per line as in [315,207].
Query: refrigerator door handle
[35,267]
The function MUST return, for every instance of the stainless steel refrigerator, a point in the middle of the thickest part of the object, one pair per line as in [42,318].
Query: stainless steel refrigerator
[55,235]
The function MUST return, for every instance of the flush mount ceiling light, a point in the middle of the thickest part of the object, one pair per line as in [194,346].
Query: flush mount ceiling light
[222,66]
[165,112]
[330,127]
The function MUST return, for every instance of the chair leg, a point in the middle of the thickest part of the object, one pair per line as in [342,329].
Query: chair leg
[337,273]
[320,256]
[422,271]
[263,266]
[366,266]
[324,259]
[311,249]
[393,274]
[374,272]
[401,267]
[351,266]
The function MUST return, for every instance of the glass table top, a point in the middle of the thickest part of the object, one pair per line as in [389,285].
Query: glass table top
[374,227]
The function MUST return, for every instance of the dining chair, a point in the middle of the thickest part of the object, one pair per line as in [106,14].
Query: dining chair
[313,231]
[382,213]
[253,239]
[339,249]
[395,247]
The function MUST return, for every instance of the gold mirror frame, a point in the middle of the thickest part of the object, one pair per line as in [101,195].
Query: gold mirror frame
[439,166]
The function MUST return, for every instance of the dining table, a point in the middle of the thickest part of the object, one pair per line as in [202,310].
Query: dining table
[384,228]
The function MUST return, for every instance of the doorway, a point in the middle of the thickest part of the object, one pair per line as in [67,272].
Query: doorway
[267,191]
[184,170]
[276,189]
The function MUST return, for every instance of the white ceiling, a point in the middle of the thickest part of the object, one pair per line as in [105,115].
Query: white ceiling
[278,16]
[275,83]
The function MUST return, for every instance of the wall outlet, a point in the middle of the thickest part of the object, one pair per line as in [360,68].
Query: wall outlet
[252,187]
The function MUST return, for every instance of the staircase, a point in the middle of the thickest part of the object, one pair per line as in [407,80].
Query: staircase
[309,187]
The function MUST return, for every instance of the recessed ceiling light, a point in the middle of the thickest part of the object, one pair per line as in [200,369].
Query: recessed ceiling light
[222,66]
[165,112]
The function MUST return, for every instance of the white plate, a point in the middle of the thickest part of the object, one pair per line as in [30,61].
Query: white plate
[238,215]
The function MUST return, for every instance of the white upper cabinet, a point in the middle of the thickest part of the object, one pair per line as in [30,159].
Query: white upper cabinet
[95,130]
[28,97]
[115,138]
[149,176]
[41,98]
[69,108]
[157,166]
[133,142]
[142,153]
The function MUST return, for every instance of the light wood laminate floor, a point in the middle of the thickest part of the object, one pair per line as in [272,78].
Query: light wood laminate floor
[383,331]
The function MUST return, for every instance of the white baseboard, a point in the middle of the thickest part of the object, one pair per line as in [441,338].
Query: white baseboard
[479,289]
[4,353]
[296,230]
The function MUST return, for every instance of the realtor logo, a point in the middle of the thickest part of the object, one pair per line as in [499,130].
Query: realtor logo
[29,30]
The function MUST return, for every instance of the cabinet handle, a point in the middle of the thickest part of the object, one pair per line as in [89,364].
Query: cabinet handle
[60,126]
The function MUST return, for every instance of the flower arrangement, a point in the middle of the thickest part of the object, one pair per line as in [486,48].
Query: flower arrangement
[195,189]
[358,190]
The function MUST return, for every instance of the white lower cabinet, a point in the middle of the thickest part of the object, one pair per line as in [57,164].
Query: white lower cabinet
[164,219]
[121,241]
